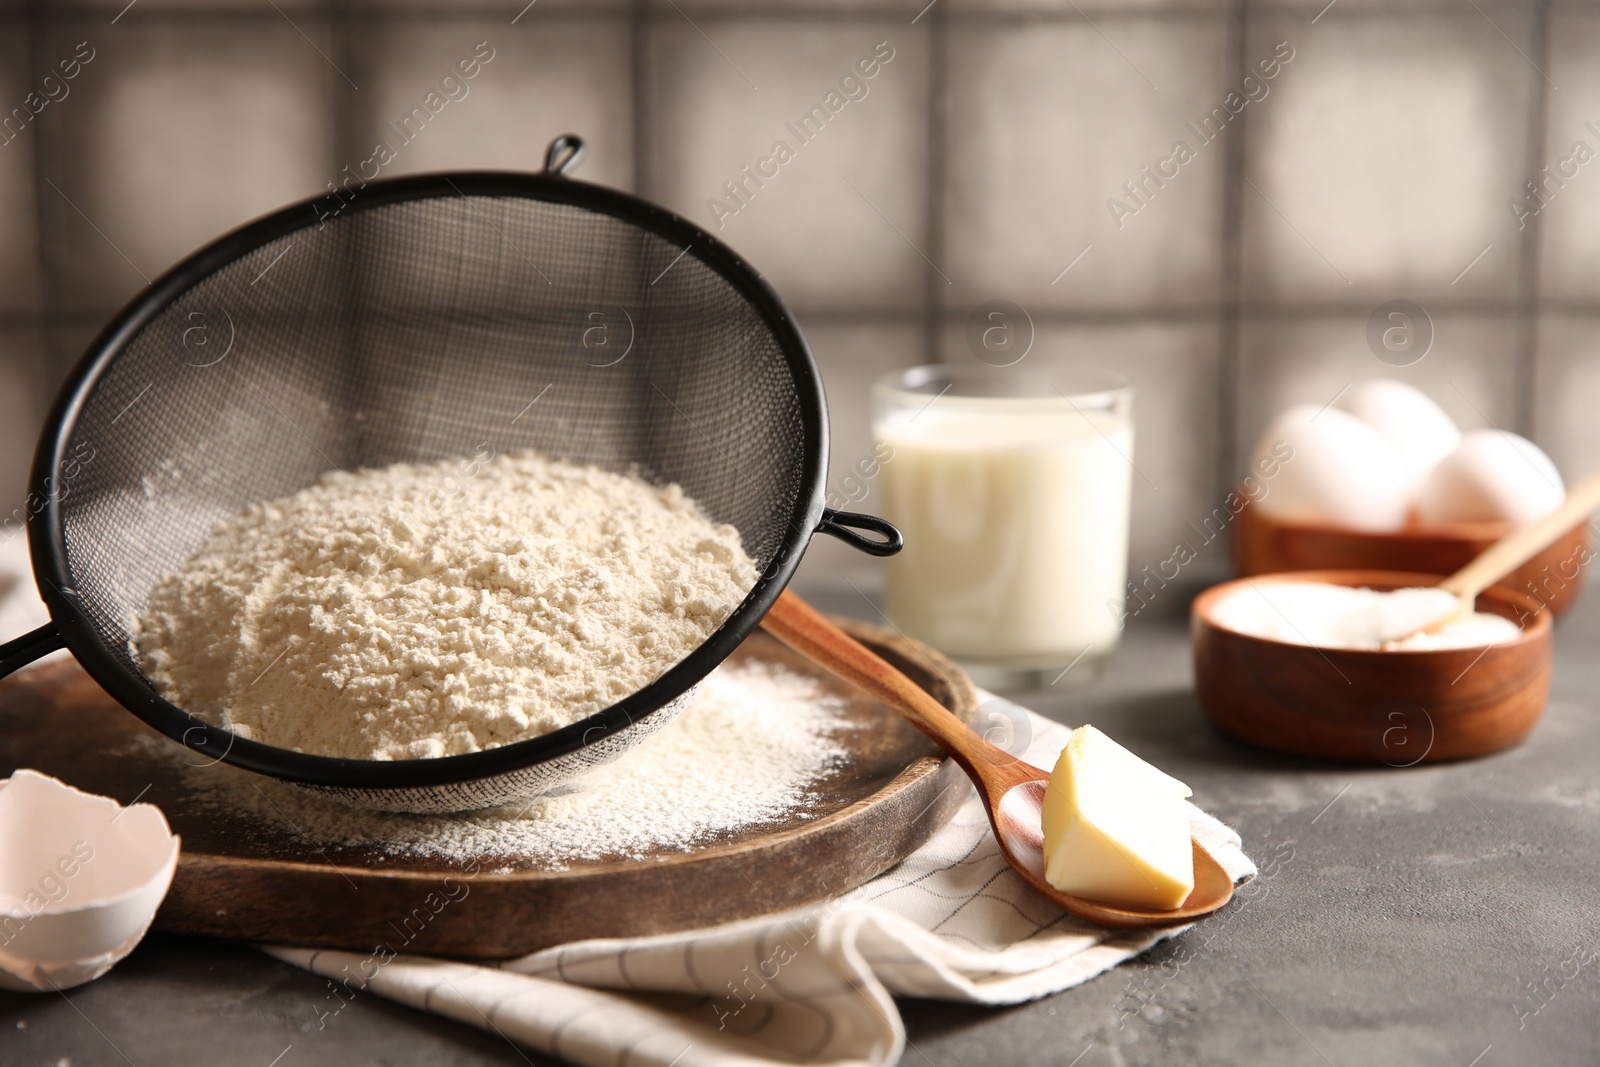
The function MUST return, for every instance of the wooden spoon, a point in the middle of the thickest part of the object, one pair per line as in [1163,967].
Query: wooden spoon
[1512,551]
[1012,791]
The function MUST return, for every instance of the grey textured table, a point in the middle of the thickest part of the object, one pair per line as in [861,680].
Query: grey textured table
[1434,915]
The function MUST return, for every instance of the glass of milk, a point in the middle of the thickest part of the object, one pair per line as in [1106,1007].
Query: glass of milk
[1013,494]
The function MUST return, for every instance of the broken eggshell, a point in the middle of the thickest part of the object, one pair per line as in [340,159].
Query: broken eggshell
[81,878]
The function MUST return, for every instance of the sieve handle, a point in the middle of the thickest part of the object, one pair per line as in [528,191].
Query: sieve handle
[15,655]
[563,154]
[846,526]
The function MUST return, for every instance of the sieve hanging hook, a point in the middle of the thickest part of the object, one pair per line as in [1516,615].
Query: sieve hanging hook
[847,527]
[563,154]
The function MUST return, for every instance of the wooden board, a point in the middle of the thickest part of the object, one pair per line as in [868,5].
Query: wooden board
[247,874]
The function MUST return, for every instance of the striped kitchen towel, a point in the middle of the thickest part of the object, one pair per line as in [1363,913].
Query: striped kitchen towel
[815,986]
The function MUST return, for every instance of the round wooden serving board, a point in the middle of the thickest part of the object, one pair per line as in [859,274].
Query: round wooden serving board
[249,873]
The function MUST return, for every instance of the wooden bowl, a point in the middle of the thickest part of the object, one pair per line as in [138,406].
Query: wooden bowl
[1263,544]
[1398,708]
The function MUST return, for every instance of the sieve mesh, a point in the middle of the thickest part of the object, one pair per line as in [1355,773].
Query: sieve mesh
[445,318]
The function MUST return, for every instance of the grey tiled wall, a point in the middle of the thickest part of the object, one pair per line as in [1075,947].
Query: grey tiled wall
[1380,162]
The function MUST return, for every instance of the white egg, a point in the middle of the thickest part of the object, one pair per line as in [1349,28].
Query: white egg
[1330,467]
[1493,476]
[1409,420]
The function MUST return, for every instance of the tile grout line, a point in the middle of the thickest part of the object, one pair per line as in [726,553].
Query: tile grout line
[345,119]
[218,17]
[349,109]
[644,183]
[45,372]
[1525,370]
[934,286]
[92,319]
[1175,13]
[1232,295]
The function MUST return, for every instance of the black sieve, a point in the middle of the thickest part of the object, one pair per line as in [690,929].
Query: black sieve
[422,319]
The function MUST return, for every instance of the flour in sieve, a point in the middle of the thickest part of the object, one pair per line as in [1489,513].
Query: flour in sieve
[431,610]
[746,750]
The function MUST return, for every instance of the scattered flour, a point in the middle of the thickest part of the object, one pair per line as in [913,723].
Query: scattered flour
[745,750]
[430,610]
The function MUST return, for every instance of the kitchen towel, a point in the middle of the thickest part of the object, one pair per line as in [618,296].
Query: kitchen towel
[814,986]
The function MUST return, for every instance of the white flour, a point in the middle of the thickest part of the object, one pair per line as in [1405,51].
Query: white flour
[1337,616]
[746,750]
[422,611]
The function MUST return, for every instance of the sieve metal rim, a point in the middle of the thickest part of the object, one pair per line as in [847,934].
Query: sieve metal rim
[73,628]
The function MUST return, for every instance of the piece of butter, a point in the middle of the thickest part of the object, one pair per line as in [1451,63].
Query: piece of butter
[1116,829]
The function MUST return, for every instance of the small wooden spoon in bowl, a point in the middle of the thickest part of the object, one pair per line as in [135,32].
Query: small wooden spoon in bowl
[1012,791]
[1512,551]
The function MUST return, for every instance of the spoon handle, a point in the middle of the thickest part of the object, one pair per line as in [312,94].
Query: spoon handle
[801,627]
[1512,551]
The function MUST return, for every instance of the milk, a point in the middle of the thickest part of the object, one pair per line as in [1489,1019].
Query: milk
[1015,516]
